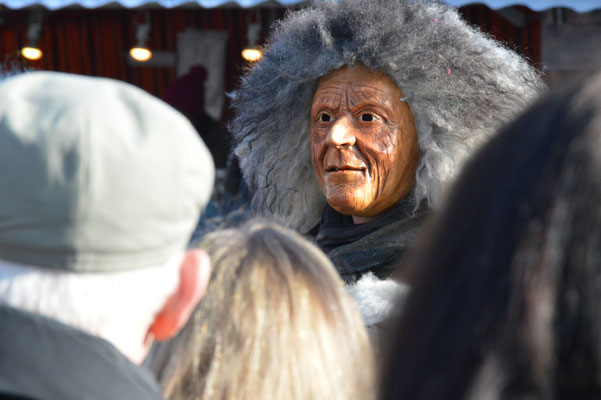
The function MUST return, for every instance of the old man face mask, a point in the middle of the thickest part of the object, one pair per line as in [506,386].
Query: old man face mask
[363,141]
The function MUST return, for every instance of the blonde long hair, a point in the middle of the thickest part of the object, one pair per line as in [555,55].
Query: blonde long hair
[276,323]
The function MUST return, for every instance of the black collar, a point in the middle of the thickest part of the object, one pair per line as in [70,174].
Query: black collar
[374,246]
[336,229]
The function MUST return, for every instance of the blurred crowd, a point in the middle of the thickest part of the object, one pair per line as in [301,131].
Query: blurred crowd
[407,213]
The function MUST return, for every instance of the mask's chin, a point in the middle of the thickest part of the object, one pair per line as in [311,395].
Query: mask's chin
[363,207]
[349,200]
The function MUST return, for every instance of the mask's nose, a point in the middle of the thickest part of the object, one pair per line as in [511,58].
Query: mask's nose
[342,133]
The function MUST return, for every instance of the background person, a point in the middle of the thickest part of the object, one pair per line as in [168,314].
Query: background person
[186,94]
[101,187]
[506,294]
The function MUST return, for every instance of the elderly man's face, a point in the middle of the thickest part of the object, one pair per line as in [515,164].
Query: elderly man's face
[363,141]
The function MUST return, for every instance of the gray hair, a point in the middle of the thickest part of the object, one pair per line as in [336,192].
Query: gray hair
[112,305]
[461,85]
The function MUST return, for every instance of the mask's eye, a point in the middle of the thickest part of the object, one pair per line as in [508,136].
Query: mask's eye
[325,117]
[367,117]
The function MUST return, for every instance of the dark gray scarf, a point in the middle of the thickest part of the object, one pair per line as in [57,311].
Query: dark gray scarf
[374,246]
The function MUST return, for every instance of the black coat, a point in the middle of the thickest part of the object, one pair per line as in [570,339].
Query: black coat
[44,359]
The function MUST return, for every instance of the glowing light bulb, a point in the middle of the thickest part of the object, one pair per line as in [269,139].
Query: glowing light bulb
[31,53]
[140,54]
[251,55]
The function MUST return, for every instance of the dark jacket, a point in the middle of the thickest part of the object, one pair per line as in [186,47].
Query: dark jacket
[41,358]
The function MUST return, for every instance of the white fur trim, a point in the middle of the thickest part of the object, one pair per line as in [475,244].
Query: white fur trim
[377,298]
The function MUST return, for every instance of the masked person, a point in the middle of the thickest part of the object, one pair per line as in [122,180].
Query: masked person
[360,113]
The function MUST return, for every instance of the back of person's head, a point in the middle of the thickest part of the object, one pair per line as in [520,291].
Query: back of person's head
[276,323]
[101,185]
[506,297]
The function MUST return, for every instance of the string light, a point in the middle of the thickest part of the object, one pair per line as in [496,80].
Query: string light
[140,52]
[31,51]
[251,53]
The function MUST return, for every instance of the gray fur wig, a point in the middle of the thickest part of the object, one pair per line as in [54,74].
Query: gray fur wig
[460,84]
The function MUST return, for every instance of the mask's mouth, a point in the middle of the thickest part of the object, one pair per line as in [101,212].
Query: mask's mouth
[344,168]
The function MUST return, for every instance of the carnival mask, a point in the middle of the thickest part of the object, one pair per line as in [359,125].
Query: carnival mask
[363,141]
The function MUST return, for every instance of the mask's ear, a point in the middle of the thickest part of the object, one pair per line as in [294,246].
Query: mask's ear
[194,275]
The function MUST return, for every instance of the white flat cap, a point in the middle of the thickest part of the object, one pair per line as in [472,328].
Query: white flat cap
[95,174]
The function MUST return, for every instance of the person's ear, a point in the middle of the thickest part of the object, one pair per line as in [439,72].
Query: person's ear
[194,275]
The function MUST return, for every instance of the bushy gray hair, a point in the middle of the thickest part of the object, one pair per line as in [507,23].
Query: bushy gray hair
[460,83]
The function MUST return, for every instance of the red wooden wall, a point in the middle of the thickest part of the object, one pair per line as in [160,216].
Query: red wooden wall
[525,40]
[96,42]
